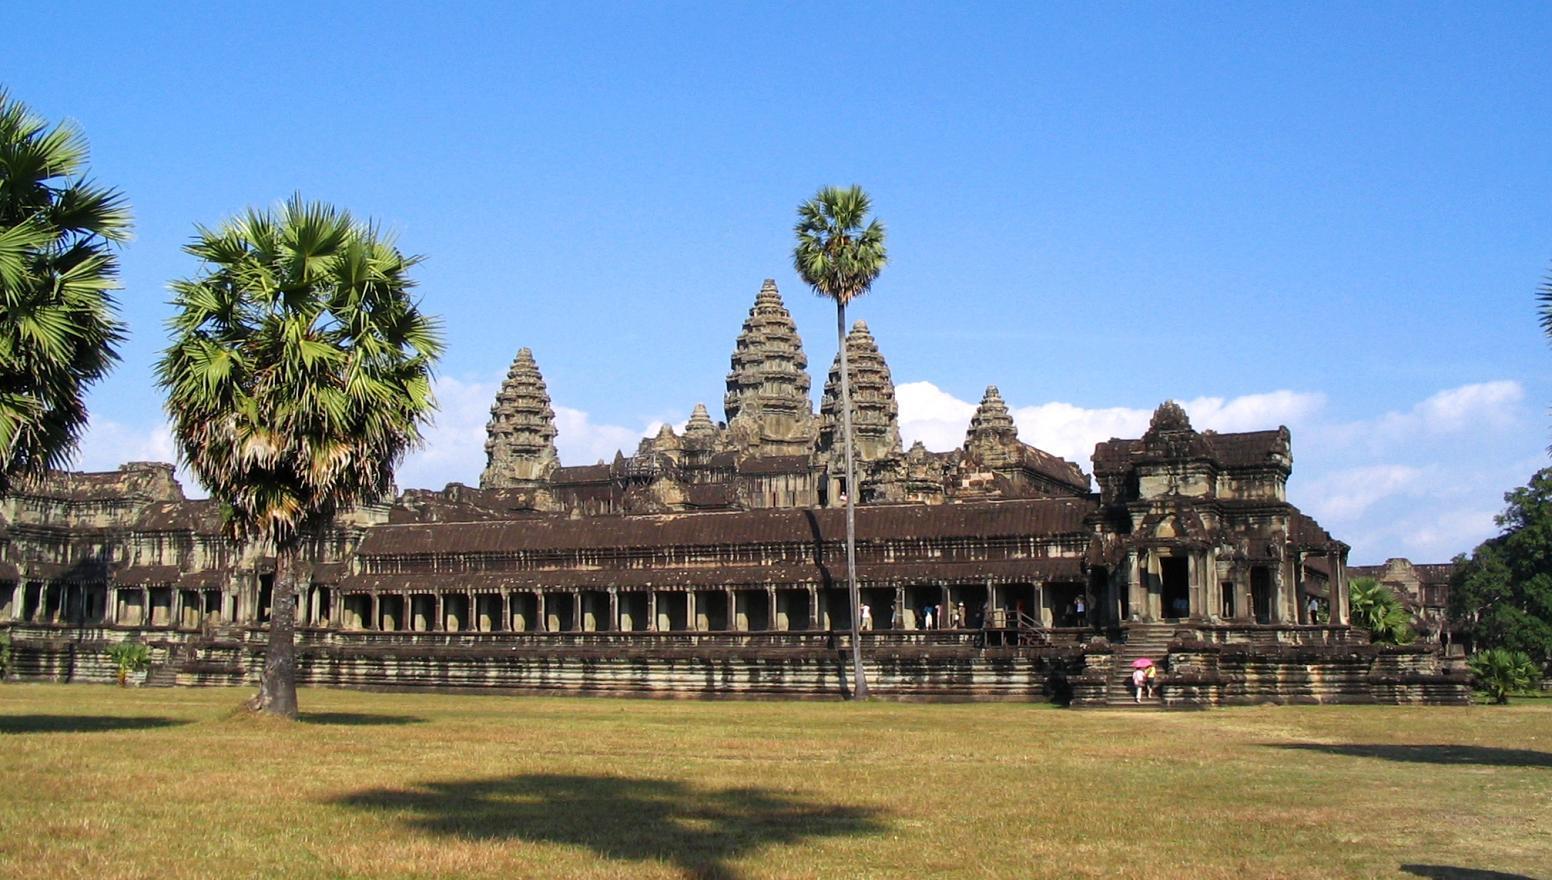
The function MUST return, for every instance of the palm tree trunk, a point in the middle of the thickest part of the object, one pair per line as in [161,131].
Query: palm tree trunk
[277,687]
[860,678]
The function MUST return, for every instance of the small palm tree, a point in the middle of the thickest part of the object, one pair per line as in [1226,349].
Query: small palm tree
[129,657]
[1501,672]
[839,253]
[59,329]
[299,374]
[1375,608]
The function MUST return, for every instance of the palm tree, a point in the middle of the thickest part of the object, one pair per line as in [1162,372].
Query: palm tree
[840,257]
[298,376]
[59,327]
[1500,672]
[1375,608]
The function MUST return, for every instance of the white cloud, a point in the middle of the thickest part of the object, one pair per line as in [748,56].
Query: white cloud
[933,416]
[1350,492]
[1465,409]
[579,441]
[454,449]
[108,444]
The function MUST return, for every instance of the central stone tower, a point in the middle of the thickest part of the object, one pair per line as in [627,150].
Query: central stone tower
[767,404]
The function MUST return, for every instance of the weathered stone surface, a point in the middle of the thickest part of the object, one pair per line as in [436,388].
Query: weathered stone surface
[767,404]
[875,413]
[520,439]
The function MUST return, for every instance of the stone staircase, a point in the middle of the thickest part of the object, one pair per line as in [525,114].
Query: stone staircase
[1149,640]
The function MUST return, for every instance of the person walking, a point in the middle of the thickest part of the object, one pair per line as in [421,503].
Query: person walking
[1150,680]
[1139,682]
[867,617]
[1081,611]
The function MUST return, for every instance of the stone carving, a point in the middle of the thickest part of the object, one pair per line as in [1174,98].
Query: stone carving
[520,439]
[767,404]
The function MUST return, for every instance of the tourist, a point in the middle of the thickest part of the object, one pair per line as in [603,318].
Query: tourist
[867,618]
[1139,682]
[1314,610]
[960,614]
[1150,679]
[953,618]
[1081,611]
[927,617]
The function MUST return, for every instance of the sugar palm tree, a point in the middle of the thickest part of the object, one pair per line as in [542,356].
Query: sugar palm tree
[839,253]
[59,328]
[298,375]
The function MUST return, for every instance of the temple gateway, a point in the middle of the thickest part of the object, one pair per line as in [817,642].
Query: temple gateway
[712,562]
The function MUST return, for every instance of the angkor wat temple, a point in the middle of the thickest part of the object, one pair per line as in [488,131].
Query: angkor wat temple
[711,562]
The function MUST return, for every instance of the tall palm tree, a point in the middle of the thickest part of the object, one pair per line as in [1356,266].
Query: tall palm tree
[59,327]
[298,375]
[839,253]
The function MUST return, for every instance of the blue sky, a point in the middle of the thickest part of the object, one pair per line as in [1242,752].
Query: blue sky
[1333,218]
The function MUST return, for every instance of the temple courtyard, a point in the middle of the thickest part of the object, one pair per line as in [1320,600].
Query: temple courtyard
[166,783]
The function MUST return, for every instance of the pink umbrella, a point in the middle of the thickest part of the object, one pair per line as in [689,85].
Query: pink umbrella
[1141,663]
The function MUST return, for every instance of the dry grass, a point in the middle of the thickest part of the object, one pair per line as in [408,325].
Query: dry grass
[99,782]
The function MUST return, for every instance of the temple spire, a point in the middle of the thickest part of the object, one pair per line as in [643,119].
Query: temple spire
[875,414]
[991,420]
[767,405]
[520,438]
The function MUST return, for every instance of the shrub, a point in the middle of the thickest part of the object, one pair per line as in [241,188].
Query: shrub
[1499,672]
[129,657]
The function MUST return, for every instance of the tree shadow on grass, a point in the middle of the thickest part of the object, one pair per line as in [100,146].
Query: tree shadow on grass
[1448,872]
[81,723]
[698,830]
[1431,754]
[357,719]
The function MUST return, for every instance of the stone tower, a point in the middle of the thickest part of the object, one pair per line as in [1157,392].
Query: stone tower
[767,405]
[875,420]
[520,439]
[992,439]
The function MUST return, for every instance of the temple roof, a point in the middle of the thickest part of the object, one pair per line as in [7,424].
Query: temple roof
[1014,519]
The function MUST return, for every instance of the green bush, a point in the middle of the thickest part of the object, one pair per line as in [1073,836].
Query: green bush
[1499,672]
[5,654]
[129,657]
[1378,610]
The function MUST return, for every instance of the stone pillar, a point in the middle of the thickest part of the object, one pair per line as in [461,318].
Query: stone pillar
[1136,593]
[732,608]
[1341,608]
[614,609]
[813,608]
[1195,571]
[652,611]
[770,609]
[576,611]
[145,603]
[691,612]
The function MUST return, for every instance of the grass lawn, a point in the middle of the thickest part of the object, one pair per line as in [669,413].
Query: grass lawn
[101,782]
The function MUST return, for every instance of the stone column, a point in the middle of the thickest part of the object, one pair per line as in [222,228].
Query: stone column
[614,609]
[1195,571]
[145,603]
[576,611]
[691,612]
[1137,591]
[813,608]
[770,608]
[732,608]
[652,611]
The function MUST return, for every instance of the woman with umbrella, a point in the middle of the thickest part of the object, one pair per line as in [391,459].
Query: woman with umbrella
[1140,668]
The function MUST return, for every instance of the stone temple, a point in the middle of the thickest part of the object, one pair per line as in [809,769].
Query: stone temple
[712,562]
